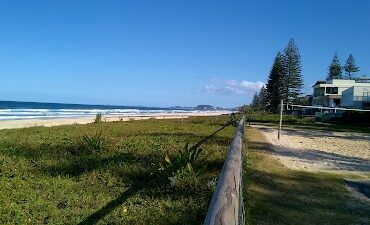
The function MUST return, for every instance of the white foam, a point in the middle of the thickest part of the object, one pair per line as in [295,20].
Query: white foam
[21,114]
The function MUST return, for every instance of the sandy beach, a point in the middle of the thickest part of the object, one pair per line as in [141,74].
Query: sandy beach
[11,124]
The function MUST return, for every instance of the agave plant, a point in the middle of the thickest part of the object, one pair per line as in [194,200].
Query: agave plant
[98,118]
[182,164]
[94,142]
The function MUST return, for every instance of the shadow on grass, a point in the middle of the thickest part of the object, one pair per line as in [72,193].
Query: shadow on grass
[38,149]
[299,198]
[101,213]
[72,160]
[61,156]
[109,207]
[359,186]
[157,189]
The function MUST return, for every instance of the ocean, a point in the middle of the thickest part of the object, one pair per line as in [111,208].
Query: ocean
[11,110]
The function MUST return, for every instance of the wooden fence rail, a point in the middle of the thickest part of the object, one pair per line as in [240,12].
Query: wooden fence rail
[227,206]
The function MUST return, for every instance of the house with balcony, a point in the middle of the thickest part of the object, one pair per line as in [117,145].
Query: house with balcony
[342,93]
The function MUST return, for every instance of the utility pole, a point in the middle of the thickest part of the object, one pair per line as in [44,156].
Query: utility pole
[281,117]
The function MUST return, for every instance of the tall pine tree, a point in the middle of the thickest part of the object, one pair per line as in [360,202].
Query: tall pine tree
[274,82]
[260,99]
[263,98]
[350,67]
[255,101]
[335,69]
[292,80]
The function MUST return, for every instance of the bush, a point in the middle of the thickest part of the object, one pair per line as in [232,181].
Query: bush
[183,163]
[354,117]
[233,120]
[94,142]
[272,118]
[98,118]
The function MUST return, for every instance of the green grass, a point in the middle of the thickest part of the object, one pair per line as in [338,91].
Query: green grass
[277,195]
[274,118]
[306,123]
[50,176]
[331,127]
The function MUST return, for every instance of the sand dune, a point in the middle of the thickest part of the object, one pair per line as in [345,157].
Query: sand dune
[10,124]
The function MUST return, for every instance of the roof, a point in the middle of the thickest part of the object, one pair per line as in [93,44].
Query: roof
[319,82]
[362,79]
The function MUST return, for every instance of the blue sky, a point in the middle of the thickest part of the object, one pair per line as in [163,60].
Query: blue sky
[167,53]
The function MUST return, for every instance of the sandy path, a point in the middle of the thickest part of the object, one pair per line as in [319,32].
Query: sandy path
[320,150]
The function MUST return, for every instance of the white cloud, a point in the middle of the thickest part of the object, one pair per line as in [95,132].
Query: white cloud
[253,86]
[219,86]
[211,89]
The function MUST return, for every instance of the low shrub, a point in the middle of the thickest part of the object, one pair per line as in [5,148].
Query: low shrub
[272,118]
[354,117]
[233,120]
[183,164]
[98,118]
[94,142]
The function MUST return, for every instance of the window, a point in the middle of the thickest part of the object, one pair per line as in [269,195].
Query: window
[332,90]
[318,92]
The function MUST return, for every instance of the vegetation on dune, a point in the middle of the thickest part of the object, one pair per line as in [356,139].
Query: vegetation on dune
[98,118]
[263,117]
[71,174]
[152,172]
[94,142]
[185,163]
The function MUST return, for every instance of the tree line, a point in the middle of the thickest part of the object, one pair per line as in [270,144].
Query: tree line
[335,68]
[285,80]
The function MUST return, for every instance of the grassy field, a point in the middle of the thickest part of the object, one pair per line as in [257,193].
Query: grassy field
[277,195]
[50,176]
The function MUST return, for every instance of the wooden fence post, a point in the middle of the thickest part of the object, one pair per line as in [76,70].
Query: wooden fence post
[281,117]
[227,206]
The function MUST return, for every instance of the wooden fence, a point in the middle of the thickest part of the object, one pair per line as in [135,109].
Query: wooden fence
[227,206]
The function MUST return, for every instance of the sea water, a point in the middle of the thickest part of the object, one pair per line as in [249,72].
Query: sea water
[10,110]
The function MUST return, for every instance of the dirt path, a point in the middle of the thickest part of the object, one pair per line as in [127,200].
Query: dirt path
[320,150]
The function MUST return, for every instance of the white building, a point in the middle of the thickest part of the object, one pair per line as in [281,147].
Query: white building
[329,93]
[356,97]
